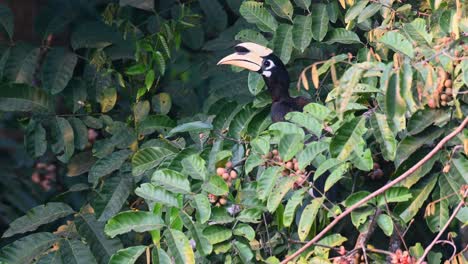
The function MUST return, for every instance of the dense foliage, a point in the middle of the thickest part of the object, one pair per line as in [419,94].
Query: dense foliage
[137,147]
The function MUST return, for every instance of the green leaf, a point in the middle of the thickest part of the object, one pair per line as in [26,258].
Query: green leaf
[195,166]
[220,215]
[93,34]
[57,69]
[256,13]
[411,144]
[149,79]
[80,163]
[127,255]
[394,195]
[331,241]
[310,152]
[159,256]
[147,158]
[409,209]
[6,19]
[202,205]
[293,203]
[283,8]
[80,133]
[343,36]
[156,194]
[355,10]
[319,21]
[203,245]
[385,222]
[39,215]
[250,35]
[179,247]
[422,119]
[216,185]
[306,121]
[335,176]
[35,140]
[107,99]
[283,42]
[138,221]
[93,231]
[384,136]
[267,181]
[241,120]
[282,187]
[317,111]
[171,180]
[302,32]
[160,62]
[308,217]
[252,162]
[74,251]
[244,230]
[261,145]
[348,138]
[107,165]
[398,43]
[416,30]
[255,82]
[245,253]
[304,4]
[162,103]
[21,63]
[440,216]
[51,258]
[161,123]
[25,249]
[112,196]
[147,5]
[217,234]
[326,166]
[195,126]
[290,145]
[66,140]
[369,11]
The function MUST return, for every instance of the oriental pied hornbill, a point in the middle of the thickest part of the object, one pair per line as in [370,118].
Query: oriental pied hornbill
[260,59]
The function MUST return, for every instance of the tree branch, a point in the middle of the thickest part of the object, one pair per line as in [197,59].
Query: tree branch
[378,192]
[436,239]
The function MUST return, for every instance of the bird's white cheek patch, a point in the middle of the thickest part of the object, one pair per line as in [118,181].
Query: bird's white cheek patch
[266,73]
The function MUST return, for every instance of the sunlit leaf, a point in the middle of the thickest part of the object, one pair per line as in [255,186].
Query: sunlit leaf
[283,8]
[153,193]
[256,13]
[127,255]
[179,247]
[398,43]
[138,221]
[308,217]
[319,21]
[171,180]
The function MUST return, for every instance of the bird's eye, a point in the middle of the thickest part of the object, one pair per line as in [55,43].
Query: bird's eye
[268,64]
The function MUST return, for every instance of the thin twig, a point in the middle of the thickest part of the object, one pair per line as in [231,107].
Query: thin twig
[268,235]
[379,191]
[436,239]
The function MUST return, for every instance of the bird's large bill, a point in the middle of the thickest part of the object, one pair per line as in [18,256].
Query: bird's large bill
[248,55]
[249,61]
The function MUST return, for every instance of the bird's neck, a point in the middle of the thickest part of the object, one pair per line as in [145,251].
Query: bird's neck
[278,87]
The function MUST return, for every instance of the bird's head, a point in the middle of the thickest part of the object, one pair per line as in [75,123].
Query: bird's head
[257,58]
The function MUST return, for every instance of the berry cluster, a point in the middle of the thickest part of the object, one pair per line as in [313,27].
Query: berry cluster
[229,174]
[291,167]
[402,257]
[446,96]
[44,174]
